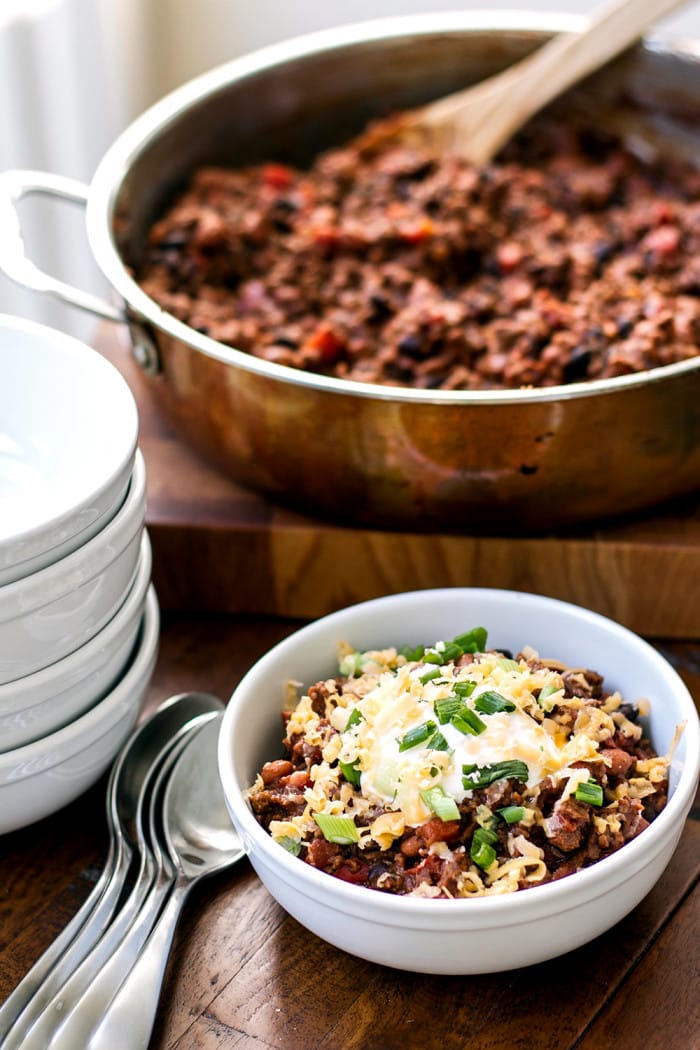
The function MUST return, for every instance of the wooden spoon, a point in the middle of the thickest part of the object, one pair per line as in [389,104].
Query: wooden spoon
[477,121]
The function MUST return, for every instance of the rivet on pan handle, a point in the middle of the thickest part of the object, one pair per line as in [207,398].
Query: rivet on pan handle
[144,349]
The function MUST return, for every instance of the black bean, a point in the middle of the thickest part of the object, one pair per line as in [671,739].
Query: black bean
[284,204]
[412,346]
[602,251]
[577,365]
[380,305]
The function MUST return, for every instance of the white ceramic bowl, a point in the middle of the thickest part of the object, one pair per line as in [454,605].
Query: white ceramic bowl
[68,431]
[485,934]
[40,703]
[50,614]
[42,777]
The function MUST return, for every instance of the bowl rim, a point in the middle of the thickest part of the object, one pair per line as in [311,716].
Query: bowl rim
[398,910]
[118,160]
[33,759]
[73,349]
[45,586]
[16,695]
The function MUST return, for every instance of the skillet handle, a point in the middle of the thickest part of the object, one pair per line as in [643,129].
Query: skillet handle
[14,185]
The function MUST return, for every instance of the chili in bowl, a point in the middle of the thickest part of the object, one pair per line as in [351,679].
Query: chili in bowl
[467,806]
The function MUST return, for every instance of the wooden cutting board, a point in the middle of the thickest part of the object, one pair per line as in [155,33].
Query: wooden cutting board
[221,548]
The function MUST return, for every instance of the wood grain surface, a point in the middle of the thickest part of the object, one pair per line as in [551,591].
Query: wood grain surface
[243,974]
[219,547]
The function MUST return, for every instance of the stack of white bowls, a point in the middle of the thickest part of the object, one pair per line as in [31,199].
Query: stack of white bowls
[78,614]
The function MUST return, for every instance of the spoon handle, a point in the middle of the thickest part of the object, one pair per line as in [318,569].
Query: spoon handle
[23,1006]
[129,1019]
[39,1034]
[66,959]
[87,1010]
[481,119]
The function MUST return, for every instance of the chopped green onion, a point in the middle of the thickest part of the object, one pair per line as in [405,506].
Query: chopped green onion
[354,719]
[450,652]
[437,742]
[468,722]
[485,835]
[473,641]
[412,654]
[434,672]
[417,735]
[351,664]
[351,772]
[464,689]
[481,776]
[483,855]
[453,709]
[446,707]
[591,792]
[463,726]
[291,845]
[442,804]
[512,814]
[432,656]
[481,850]
[340,830]
[490,703]
[546,691]
[507,665]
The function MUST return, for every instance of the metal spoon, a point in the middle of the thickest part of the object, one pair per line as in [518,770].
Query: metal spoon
[61,1014]
[67,951]
[200,840]
[87,994]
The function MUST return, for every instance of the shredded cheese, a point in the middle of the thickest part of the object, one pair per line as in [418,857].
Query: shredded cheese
[386,723]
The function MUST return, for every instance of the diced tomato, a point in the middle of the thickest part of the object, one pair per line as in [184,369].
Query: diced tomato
[324,236]
[417,232]
[428,870]
[509,256]
[664,240]
[356,873]
[327,343]
[437,830]
[662,212]
[279,176]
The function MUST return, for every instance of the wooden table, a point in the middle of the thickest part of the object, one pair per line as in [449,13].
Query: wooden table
[231,571]
[244,974]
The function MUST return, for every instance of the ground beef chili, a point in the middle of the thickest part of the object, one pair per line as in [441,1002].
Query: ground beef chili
[373,788]
[570,259]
